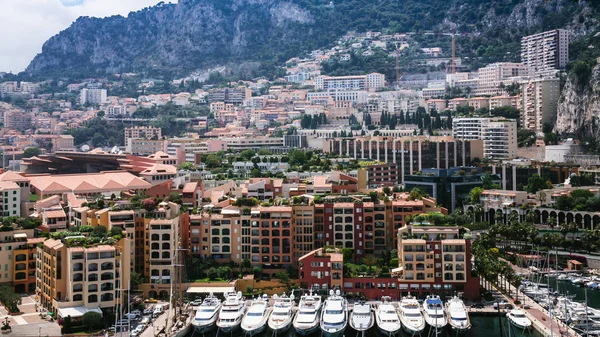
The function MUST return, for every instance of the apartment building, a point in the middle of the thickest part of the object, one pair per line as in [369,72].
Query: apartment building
[499,135]
[10,198]
[539,102]
[72,278]
[18,119]
[273,144]
[229,95]
[17,265]
[92,96]
[360,82]
[438,105]
[546,51]
[411,153]
[12,88]
[144,147]
[379,174]
[144,132]
[432,260]
[493,75]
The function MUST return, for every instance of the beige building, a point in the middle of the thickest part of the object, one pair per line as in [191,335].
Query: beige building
[499,135]
[492,76]
[17,265]
[145,132]
[144,147]
[539,102]
[546,51]
[73,279]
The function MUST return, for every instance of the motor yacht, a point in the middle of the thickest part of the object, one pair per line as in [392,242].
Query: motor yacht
[411,316]
[517,318]
[433,311]
[206,315]
[283,313]
[361,318]
[255,319]
[231,313]
[388,321]
[309,313]
[334,317]
[458,315]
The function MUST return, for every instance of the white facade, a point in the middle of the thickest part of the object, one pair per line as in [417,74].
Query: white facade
[92,96]
[361,82]
[546,50]
[499,135]
[493,75]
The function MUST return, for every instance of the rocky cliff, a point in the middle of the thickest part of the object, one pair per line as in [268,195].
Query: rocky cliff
[198,34]
[579,106]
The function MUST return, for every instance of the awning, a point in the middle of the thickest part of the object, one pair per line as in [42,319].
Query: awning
[208,290]
[20,236]
[76,311]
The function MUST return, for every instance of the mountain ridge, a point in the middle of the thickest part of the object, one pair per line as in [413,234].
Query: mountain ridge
[191,35]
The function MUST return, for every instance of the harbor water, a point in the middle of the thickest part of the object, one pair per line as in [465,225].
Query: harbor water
[483,326]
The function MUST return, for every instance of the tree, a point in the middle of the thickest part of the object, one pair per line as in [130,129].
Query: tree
[186,166]
[283,276]
[175,197]
[369,261]
[93,320]
[99,232]
[115,231]
[9,298]
[417,194]
[246,155]
[535,183]
[475,194]
[136,279]
[246,265]
[387,190]
[31,152]
[148,204]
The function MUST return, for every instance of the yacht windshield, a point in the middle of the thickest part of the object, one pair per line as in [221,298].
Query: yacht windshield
[333,312]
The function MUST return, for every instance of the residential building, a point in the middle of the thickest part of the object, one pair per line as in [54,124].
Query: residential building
[10,198]
[438,105]
[16,261]
[295,141]
[73,278]
[432,260]
[493,75]
[379,174]
[92,96]
[144,132]
[499,135]
[546,51]
[539,102]
[229,95]
[144,147]
[297,78]
[360,82]
[411,153]
[18,119]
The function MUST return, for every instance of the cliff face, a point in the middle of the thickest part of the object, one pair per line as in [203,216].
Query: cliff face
[579,106]
[199,34]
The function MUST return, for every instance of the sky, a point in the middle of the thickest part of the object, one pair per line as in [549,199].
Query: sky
[27,24]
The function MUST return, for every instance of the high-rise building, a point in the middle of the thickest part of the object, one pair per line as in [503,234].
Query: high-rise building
[493,75]
[539,101]
[92,96]
[546,51]
[499,135]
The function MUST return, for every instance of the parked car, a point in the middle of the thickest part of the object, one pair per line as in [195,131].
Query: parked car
[148,311]
[146,320]
[137,331]
[196,302]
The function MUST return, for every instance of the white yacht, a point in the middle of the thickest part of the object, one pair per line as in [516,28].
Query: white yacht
[386,315]
[231,313]
[283,313]
[433,311]
[458,316]
[255,319]
[309,314]
[334,317]
[410,316]
[518,319]
[361,318]
[206,315]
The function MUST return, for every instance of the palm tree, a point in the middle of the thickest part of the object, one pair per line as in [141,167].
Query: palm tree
[369,261]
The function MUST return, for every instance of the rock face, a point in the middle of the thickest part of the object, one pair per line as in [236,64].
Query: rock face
[200,34]
[578,110]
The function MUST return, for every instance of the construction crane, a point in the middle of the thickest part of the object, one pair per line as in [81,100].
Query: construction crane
[397,67]
[453,54]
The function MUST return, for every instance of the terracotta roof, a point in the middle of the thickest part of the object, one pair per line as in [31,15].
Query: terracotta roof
[190,187]
[55,213]
[160,169]
[96,182]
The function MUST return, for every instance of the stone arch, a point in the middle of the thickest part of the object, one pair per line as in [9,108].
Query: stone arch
[579,220]
[544,216]
[562,218]
[587,222]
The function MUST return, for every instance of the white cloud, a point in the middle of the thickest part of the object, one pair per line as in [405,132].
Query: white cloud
[27,24]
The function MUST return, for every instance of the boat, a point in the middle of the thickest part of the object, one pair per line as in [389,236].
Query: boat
[433,311]
[309,313]
[411,316]
[206,315]
[231,313]
[386,315]
[255,319]
[334,317]
[517,318]
[361,318]
[458,316]
[283,313]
